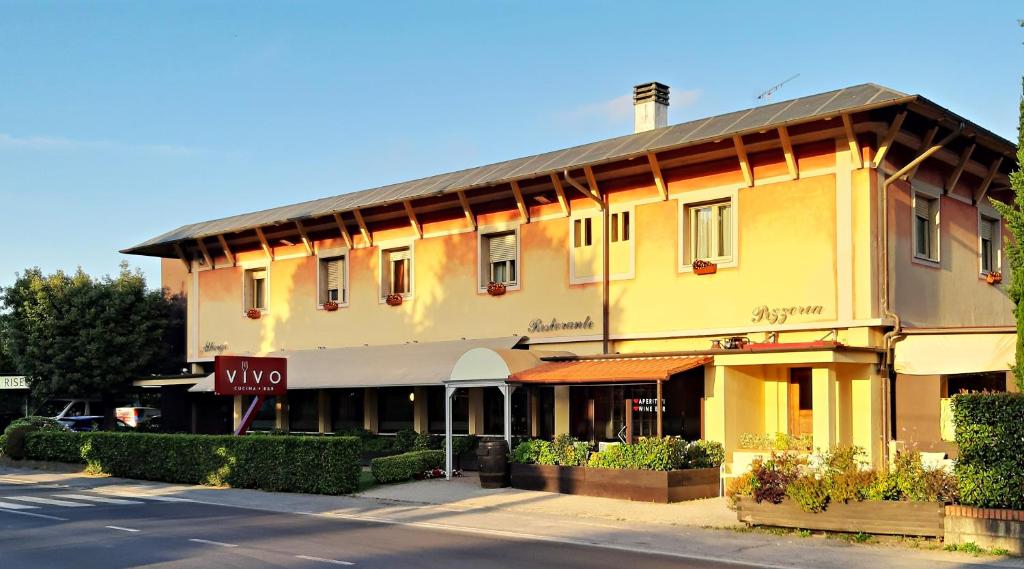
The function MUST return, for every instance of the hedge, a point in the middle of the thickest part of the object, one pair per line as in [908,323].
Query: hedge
[990,434]
[402,467]
[315,465]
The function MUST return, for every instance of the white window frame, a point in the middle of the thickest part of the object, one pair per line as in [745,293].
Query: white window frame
[246,269]
[391,246]
[989,214]
[597,226]
[326,255]
[698,198]
[483,232]
[935,251]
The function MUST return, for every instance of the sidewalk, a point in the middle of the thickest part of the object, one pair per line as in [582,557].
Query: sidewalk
[519,515]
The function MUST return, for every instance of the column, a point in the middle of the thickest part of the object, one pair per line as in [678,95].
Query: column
[324,411]
[867,420]
[561,409]
[534,405]
[236,414]
[420,422]
[476,410]
[370,409]
[281,414]
[823,388]
[449,392]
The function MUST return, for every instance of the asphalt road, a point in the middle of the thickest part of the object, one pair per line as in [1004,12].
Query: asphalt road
[50,527]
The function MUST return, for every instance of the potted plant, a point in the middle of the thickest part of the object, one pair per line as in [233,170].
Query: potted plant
[702,267]
[994,277]
[330,306]
[254,313]
[496,289]
[394,300]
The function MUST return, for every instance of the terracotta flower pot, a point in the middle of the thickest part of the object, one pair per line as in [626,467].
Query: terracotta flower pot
[394,300]
[994,278]
[704,267]
[496,289]
[330,306]
[254,313]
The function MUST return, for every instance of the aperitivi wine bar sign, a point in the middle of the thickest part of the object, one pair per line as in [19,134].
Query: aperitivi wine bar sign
[250,375]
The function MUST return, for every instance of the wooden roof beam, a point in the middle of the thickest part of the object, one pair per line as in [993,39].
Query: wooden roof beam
[468,211]
[183,257]
[524,211]
[741,154]
[982,190]
[560,193]
[592,183]
[367,236]
[851,139]
[407,204]
[206,253]
[889,138]
[584,191]
[227,250]
[926,143]
[305,237]
[263,243]
[787,150]
[659,181]
[343,230]
[965,156]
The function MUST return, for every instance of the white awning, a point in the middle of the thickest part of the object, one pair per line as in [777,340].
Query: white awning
[950,353]
[417,364]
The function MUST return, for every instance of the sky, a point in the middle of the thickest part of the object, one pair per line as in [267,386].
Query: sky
[120,121]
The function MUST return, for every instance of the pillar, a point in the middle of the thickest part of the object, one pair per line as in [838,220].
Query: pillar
[476,410]
[534,406]
[236,413]
[561,409]
[323,409]
[281,414]
[823,388]
[420,422]
[370,409]
[867,410]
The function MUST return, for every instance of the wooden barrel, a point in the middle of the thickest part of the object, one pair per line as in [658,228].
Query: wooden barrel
[493,459]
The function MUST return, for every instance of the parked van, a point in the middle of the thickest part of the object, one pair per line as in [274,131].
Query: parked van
[135,416]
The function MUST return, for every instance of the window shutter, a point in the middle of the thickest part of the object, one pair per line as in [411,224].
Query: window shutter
[398,254]
[923,207]
[256,275]
[987,229]
[334,276]
[502,247]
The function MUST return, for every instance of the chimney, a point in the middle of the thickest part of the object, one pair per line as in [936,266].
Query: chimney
[650,106]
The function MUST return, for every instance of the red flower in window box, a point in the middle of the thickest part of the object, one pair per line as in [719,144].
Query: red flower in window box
[994,278]
[330,306]
[496,289]
[254,313]
[702,267]
[394,299]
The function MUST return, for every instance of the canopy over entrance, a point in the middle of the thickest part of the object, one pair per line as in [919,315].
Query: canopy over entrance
[946,352]
[610,370]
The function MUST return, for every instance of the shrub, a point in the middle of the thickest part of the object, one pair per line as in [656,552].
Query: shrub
[36,423]
[427,441]
[646,453]
[405,440]
[15,433]
[529,451]
[776,441]
[569,451]
[846,476]
[809,492]
[464,444]
[405,466]
[774,475]
[990,433]
[316,465]
[742,485]
[702,454]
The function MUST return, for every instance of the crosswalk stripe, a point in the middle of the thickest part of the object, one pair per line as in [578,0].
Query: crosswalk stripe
[13,506]
[48,501]
[98,499]
[154,498]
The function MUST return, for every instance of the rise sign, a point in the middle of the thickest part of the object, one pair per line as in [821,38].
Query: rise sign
[250,375]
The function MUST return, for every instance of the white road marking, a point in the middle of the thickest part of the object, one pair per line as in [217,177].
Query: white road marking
[208,542]
[322,560]
[44,516]
[48,501]
[119,528]
[13,506]
[97,499]
[148,497]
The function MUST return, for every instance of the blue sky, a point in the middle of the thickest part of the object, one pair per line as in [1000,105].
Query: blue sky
[120,121]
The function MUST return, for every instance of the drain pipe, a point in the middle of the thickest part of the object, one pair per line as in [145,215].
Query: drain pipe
[605,271]
[888,282]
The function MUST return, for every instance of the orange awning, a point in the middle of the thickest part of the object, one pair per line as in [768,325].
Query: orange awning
[610,370]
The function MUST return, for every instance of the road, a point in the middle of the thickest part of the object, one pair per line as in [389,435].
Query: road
[53,527]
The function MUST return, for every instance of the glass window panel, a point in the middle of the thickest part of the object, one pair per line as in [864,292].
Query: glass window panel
[725,230]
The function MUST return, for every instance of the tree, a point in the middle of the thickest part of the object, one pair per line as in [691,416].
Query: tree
[1013,214]
[75,336]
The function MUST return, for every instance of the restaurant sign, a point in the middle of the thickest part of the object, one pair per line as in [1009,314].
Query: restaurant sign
[538,325]
[778,315]
[13,382]
[250,375]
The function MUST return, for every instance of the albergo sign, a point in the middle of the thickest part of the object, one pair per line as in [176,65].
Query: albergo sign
[250,375]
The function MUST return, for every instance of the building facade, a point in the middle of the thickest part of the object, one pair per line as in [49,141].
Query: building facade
[826,266]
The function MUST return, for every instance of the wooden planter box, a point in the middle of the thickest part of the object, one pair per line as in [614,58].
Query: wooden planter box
[870,516]
[638,485]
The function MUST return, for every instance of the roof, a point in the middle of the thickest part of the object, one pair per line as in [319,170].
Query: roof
[804,109]
[416,364]
[610,370]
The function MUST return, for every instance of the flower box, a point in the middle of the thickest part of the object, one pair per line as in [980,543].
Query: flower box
[994,278]
[638,485]
[870,516]
[702,267]
[496,289]
[330,306]
[394,300]
[254,313]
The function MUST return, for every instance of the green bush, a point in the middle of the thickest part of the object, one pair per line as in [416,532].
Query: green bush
[405,440]
[846,476]
[530,451]
[36,424]
[16,432]
[427,441]
[646,453]
[990,434]
[702,454]
[776,441]
[809,492]
[464,444]
[315,465]
[406,466]
[569,451]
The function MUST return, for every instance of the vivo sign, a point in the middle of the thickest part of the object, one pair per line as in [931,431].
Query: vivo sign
[244,375]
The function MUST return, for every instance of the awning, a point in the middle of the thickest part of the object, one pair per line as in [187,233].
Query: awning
[416,364]
[949,353]
[610,370]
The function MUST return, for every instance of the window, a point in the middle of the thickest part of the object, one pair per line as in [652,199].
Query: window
[926,227]
[396,265]
[583,232]
[711,231]
[620,227]
[499,253]
[332,280]
[988,234]
[256,289]
[304,410]
[347,409]
[395,409]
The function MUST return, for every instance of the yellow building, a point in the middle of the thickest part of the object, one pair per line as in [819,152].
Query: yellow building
[819,267]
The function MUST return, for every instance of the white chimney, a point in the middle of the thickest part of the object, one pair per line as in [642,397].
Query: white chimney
[650,106]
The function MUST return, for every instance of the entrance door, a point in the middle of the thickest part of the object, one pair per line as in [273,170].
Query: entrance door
[801,399]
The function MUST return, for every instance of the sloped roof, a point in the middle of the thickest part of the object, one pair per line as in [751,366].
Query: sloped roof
[610,370]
